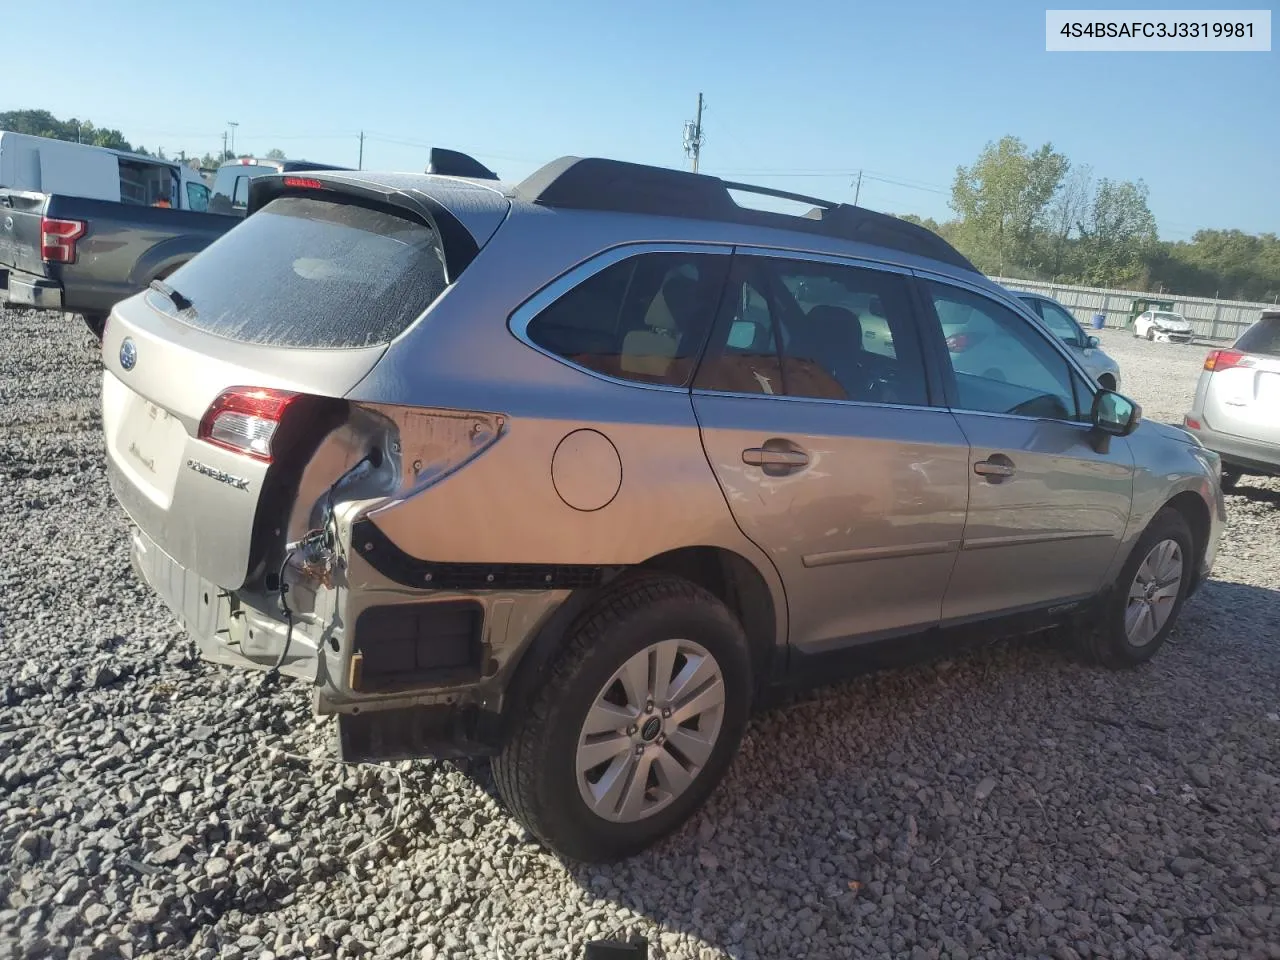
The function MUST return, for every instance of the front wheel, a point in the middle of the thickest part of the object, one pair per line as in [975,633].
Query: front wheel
[636,724]
[1151,333]
[1107,382]
[1148,595]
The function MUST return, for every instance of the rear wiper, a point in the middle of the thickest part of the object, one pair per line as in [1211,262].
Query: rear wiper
[177,299]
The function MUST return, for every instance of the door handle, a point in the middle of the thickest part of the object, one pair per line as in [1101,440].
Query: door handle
[766,457]
[995,469]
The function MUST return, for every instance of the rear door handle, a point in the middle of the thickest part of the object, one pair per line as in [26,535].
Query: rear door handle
[769,457]
[995,469]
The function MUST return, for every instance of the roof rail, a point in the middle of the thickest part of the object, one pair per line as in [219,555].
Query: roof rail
[454,163]
[594,183]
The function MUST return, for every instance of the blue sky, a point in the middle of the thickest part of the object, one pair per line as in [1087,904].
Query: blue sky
[903,91]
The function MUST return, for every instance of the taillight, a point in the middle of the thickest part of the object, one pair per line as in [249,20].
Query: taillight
[1226,359]
[957,342]
[1191,423]
[245,419]
[308,183]
[58,239]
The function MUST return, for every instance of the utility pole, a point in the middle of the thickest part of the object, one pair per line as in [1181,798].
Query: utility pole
[224,146]
[360,164]
[858,189]
[233,124]
[693,136]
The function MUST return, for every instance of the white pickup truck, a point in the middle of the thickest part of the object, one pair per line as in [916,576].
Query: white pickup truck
[44,165]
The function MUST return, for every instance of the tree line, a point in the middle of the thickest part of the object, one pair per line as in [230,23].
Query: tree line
[41,123]
[1034,215]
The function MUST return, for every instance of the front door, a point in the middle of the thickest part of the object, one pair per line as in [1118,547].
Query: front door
[814,408]
[1049,498]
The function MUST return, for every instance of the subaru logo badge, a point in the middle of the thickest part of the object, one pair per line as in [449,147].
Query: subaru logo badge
[128,354]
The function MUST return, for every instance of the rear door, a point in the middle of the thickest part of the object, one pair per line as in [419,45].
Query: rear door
[1243,393]
[1048,504]
[828,452]
[303,297]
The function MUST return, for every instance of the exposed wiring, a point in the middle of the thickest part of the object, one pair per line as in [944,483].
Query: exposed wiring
[327,534]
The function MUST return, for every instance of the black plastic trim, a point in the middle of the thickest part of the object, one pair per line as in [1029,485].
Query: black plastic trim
[594,183]
[455,163]
[394,564]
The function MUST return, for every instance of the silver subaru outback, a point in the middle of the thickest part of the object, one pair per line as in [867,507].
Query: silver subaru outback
[575,473]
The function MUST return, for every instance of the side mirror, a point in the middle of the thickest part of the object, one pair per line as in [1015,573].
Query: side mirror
[1114,414]
[1091,342]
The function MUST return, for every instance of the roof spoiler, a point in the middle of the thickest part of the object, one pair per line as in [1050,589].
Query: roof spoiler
[454,163]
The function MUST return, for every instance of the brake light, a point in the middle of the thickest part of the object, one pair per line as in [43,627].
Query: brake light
[1226,359]
[1191,423]
[307,183]
[58,239]
[245,419]
[957,342]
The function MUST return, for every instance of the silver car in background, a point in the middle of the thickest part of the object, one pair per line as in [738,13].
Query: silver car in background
[1102,367]
[1236,410]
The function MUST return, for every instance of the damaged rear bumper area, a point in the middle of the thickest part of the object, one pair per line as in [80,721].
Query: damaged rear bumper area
[422,674]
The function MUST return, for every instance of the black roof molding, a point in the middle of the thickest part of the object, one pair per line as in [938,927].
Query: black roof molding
[454,163]
[593,183]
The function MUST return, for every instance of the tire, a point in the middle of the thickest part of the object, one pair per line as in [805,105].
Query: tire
[1151,333]
[537,771]
[1107,382]
[1230,478]
[97,324]
[1110,643]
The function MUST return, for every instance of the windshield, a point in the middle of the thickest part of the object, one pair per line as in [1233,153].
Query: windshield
[1170,317]
[311,273]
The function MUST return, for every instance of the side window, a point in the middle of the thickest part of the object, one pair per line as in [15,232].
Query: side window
[197,197]
[1061,323]
[643,319]
[1001,363]
[800,328]
[240,198]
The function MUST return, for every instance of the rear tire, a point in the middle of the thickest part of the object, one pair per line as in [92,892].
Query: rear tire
[1146,600]
[654,630]
[97,324]
[1230,478]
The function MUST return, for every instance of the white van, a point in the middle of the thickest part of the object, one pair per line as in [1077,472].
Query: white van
[44,165]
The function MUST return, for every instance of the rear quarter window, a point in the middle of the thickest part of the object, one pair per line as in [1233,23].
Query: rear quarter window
[305,272]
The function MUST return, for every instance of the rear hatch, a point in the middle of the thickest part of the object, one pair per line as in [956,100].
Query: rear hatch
[20,215]
[1243,395]
[218,387]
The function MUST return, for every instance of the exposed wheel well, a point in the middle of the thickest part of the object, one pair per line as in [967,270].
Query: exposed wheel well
[735,581]
[1107,381]
[730,577]
[1196,513]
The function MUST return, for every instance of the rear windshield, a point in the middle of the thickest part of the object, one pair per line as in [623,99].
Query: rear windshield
[1263,337]
[304,272]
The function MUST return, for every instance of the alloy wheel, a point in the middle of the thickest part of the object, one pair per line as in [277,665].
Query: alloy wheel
[650,731]
[1154,592]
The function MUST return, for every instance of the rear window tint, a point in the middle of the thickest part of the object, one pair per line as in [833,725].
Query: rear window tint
[303,272]
[1263,337]
[643,319]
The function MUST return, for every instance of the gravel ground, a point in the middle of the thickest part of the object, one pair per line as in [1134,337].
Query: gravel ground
[1008,802]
